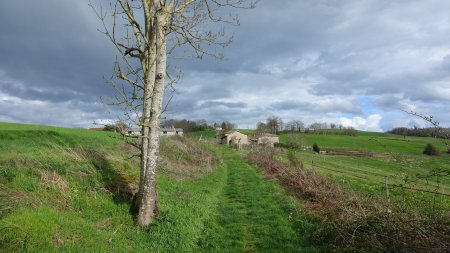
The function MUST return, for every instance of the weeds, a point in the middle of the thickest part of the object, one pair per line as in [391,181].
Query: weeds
[355,223]
[184,158]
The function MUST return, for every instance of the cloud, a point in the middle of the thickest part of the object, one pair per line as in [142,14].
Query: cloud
[371,123]
[305,60]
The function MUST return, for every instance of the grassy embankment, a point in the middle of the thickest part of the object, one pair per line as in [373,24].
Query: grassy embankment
[69,190]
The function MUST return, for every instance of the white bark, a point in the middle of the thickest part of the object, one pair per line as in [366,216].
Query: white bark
[147,205]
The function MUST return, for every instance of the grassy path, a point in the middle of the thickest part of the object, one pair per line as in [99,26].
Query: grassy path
[56,196]
[253,214]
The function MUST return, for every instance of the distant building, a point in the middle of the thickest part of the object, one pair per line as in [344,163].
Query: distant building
[134,131]
[232,137]
[171,131]
[265,139]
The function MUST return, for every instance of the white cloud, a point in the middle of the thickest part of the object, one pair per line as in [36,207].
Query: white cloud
[371,123]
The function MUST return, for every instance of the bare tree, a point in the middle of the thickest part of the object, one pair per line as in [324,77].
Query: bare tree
[299,125]
[289,126]
[261,127]
[294,125]
[439,130]
[144,32]
[316,126]
[274,124]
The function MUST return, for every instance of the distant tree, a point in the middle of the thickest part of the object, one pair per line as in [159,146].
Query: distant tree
[120,126]
[299,125]
[333,126]
[294,125]
[274,124]
[350,131]
[261,127]
[166,123]
[289,126]
[227,125]
[202,125]
[430,149]
[315,126]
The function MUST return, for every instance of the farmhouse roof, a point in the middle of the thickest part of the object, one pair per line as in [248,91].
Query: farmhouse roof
[172,129]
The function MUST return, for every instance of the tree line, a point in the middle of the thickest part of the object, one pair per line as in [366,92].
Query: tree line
[420,132]
[197,125]
[276,125]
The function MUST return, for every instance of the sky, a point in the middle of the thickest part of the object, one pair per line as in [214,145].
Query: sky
[357,63]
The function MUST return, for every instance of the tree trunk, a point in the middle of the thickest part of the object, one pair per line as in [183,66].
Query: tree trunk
[148,63]
[147,203]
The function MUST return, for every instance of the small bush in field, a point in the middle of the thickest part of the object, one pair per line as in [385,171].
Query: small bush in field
[430,149]
[316,148]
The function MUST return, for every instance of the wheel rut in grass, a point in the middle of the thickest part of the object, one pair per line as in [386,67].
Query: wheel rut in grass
[250,214]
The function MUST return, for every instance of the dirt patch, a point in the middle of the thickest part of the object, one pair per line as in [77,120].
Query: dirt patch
[123,187]
[346,152]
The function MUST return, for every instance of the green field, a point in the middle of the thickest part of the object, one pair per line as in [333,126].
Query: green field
[394,156]
[68,190]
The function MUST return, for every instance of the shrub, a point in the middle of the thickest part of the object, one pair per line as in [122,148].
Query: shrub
[430,149]
[316,148]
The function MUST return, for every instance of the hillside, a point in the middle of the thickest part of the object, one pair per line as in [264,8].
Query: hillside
[69,190]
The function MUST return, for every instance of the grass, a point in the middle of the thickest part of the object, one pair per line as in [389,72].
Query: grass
[394,156]
[371,142]
[203,134]
[355,222]
[254,215]
[68,190]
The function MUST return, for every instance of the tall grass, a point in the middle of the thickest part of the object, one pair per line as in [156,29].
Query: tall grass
[64,190]
[357,223]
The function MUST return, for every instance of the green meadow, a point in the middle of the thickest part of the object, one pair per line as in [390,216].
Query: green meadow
[68,190]
[399,158]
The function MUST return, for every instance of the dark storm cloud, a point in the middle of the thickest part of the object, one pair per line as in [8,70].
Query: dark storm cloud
[49,45]
[26,93]
[299,59]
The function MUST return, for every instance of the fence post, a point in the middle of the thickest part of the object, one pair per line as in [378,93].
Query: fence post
[386,185]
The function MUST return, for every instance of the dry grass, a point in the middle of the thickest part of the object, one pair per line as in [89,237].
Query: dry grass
[52,179]
[356,223]
[184,157]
